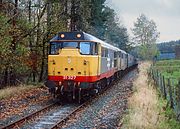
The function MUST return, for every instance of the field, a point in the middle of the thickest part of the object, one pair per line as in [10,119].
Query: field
[169,69]
[166,75]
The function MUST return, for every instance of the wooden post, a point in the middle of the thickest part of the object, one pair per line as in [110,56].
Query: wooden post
[170,93]
[161,83]
[158,80]
[178,99]
[153,74]
[164,86]
[157,77]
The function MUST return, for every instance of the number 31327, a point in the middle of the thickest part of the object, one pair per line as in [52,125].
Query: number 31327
[69,77]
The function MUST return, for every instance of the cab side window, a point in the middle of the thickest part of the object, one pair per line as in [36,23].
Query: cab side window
[88,48]
[94,48]
[85,48]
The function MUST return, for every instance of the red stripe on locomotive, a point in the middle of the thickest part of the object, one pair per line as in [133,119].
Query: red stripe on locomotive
[85,78]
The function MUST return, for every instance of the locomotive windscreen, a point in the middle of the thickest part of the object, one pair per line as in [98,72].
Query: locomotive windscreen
[86,48]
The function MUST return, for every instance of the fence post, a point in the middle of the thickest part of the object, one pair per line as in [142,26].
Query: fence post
[160,83]
[178,100]
[153,74]
[164,86]
[170,93]
[157,77]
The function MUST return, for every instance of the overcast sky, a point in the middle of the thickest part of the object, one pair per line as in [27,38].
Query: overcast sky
[165,13]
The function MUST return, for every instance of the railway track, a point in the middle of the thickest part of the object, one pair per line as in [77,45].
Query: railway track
[21,121]
[54,118]
[62,121]
[57,118]
[73,112]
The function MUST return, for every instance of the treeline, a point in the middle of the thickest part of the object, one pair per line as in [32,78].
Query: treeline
[168,47]
[27,26]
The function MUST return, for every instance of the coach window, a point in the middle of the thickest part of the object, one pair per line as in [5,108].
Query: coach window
[106,52]
[115,58]
[119,54]
[102,52]
[54,48]
[115,54]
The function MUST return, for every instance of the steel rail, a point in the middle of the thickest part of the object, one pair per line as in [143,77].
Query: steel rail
[28,117]
[67,117]
[85,104]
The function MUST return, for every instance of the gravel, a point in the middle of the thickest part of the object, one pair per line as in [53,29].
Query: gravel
[105,112]
[108,110]
[17,107]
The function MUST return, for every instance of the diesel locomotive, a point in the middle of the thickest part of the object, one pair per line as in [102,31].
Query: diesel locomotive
[80,64]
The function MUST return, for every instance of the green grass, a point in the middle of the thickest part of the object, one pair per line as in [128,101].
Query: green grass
[167,116]
[169,69]
[168,63]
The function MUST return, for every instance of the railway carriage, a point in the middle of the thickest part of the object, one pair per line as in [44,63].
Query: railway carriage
[123,60]
[130,59]
[80,64]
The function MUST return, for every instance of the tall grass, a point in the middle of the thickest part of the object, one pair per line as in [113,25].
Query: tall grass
[147,110]
[11,91]
[143,109]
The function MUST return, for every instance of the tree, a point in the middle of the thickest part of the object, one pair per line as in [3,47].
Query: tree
[145,35]
[28,25]
[97,19]
[13,52]
[147,51]
[115,32]
[145,31]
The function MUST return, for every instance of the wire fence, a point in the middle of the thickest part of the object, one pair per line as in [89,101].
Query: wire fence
[169,89]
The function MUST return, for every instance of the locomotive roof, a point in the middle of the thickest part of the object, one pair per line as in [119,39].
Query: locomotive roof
[83,36]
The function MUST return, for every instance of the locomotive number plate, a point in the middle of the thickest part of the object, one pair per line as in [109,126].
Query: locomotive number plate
[69,77]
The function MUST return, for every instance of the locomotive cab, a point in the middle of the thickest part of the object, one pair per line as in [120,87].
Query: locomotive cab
[73,64]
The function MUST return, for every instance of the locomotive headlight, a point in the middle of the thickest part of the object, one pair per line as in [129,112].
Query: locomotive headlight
[78,35]
[62,35]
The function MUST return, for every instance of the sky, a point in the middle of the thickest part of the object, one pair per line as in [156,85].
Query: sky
[165,13]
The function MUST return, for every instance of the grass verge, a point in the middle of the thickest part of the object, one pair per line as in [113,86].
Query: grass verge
[16,90]
[147,110]
[167,116]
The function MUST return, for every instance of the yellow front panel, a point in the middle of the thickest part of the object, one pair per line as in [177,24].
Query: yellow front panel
[70,62]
